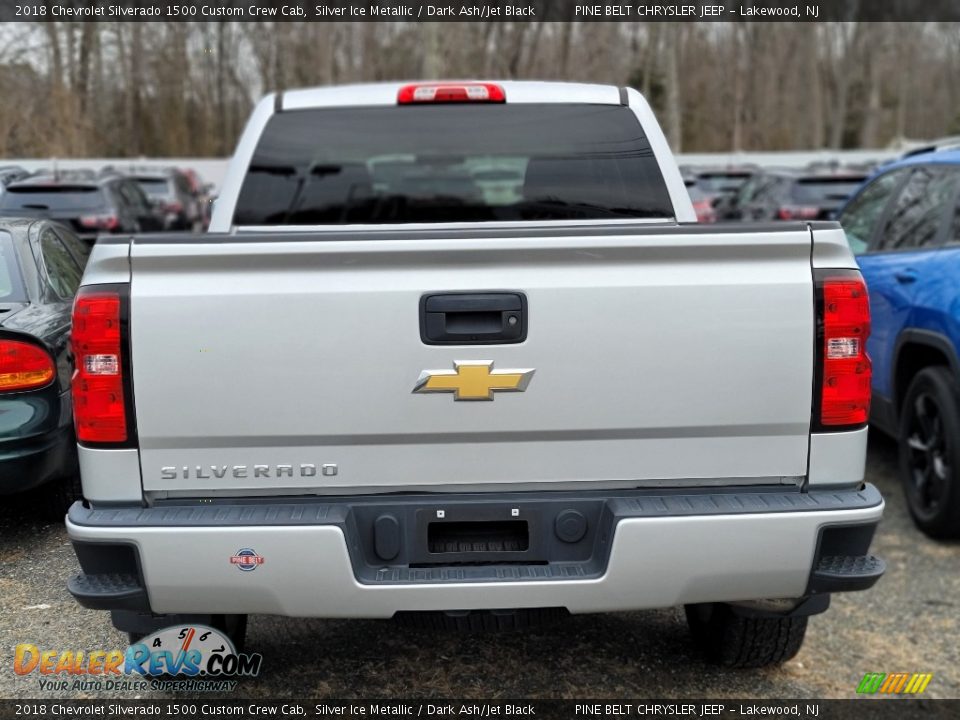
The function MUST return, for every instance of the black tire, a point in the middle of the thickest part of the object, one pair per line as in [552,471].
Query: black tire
[235,628]
[735,641]
[57,496]
[482,620]
[929,445]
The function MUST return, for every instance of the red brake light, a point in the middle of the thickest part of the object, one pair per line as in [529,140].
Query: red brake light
[798,212]
[844,309]
[450,92]
[704,211]
[99,410]
[24,366]
[100,222]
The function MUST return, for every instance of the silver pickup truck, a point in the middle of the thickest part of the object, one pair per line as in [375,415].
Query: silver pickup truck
[458,353]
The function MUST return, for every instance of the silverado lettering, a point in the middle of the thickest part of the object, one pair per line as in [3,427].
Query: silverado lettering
[207,472]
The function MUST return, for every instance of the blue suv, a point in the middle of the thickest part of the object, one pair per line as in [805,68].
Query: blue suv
[904,227]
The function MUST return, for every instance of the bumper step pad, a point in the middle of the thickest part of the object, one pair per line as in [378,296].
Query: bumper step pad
[846,572]
[109,591]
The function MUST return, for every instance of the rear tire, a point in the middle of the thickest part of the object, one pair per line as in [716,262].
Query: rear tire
[929,445]
[735,641]
[482,620]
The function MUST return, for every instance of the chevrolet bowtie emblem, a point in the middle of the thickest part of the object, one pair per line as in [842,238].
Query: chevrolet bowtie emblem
[473,381]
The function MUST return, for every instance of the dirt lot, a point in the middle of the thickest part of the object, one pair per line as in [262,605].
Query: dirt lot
[909,623]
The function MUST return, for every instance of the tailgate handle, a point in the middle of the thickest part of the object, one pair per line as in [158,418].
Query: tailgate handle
[475,318]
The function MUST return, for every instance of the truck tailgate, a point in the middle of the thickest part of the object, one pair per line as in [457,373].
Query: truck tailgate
[285,363]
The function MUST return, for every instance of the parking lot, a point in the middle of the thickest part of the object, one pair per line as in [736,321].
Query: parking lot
[908,623]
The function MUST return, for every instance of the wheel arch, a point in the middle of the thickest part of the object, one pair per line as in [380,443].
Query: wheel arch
[915,350]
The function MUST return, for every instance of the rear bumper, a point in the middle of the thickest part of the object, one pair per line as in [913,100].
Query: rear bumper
[321,559]
[26,463]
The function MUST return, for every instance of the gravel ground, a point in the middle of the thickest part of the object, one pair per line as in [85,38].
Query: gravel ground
[907,623]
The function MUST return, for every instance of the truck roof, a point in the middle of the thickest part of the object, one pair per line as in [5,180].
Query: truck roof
[385,93]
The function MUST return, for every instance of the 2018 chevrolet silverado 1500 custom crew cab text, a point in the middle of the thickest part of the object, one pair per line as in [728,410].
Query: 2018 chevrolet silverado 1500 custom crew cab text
[460,348]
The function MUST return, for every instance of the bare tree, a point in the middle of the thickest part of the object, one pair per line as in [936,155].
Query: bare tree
[179,88]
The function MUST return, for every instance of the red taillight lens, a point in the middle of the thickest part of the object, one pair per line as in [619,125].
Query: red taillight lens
[450,92]
[797,212]
[24,366]
[100,222]
[844,309]
[173,207]
[99,410]
[704,211]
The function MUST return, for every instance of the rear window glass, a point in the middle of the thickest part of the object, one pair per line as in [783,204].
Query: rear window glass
[155,187]
[452,163]
[47,197]
[721,182]
[11,286]
[829,191]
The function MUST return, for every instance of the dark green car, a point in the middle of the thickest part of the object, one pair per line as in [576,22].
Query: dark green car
[41,263]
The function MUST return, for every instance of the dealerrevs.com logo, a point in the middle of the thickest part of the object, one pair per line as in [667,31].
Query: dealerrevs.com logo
[194,658]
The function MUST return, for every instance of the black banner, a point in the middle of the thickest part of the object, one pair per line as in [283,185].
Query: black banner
[719,11]
[875,708]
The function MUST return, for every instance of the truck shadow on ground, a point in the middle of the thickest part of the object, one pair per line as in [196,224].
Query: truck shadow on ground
[589,656]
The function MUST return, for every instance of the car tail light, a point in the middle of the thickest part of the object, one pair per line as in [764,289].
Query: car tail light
[24,366]
[173,207]
[100,222]
[843,319]
[450,92]
[798,212]
[704,211]
[99,396]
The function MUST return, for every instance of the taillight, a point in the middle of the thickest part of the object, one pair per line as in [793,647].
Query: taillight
[798,212]
[100,222]
[173,207]
[704,211]
[843,318]
[99,405]
[24,366]
[450,92]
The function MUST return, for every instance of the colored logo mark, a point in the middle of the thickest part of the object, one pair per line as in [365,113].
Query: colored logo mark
[246,559]
[894,683]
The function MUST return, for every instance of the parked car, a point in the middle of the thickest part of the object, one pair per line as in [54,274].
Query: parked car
[904,226]
[87,202]
[11,173]
[41,264]
[702,203]
[951,142]
[791,195]
[469,422]
[721,182]
[203,193]
[171,191]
